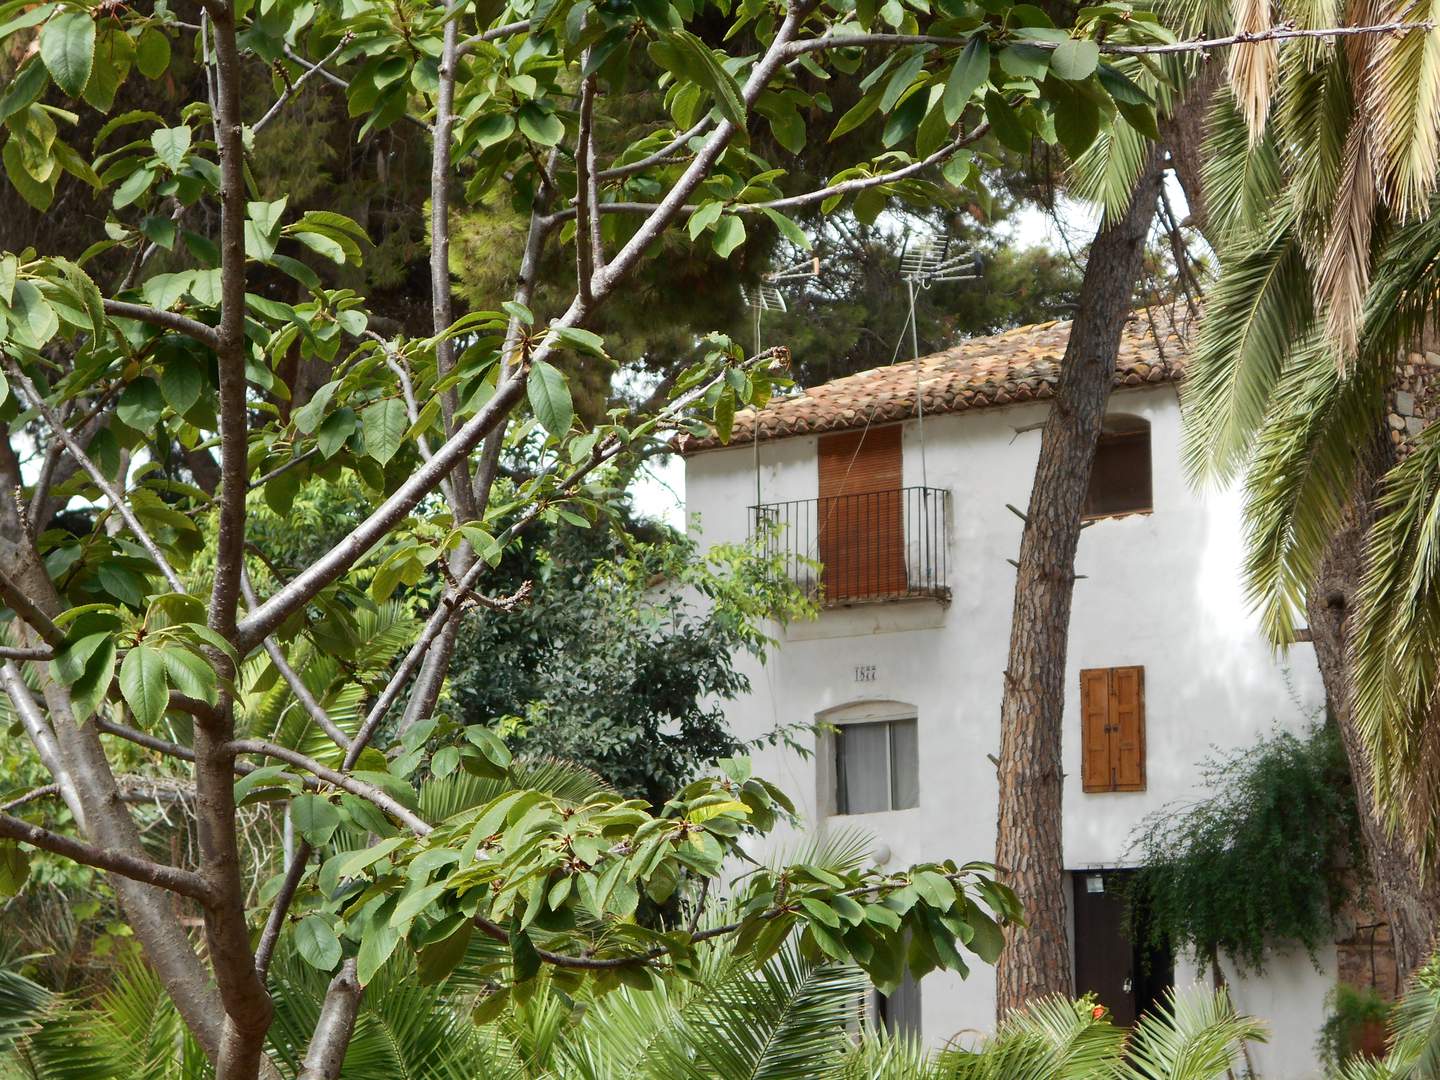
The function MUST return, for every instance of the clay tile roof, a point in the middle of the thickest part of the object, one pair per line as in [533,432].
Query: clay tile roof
[1003,369]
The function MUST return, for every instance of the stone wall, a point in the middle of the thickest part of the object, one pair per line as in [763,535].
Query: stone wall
[1414,398]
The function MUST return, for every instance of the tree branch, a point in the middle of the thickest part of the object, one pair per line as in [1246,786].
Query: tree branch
[494,34]
[294,681]
[294,88]
[618,172]
[28,610]
[170,878]
[165,320]
[586,222]
[117,501]
[368,792]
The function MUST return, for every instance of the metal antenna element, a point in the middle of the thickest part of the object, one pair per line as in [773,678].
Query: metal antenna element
[766,296]
[925,261]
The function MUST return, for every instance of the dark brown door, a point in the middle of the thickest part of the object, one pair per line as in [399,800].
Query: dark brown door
[861,526]
[1127,978]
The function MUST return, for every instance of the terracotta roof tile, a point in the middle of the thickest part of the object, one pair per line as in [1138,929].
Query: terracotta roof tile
[1008,368]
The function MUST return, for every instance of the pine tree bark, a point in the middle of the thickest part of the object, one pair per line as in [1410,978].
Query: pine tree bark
[1036,959]
[1409,895]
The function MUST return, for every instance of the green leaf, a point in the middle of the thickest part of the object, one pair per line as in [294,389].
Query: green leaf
[335,431]
[1119,86]
[970,71]
[788,228]
[586,342]
[25,88]
[687,57]
[861,111]
[1077,119]
[141,404]
[67,45]
[729,234]
[171,145]
[190,674]
[14,869]
[550,398]
[1075,59]
[32,320]
[901,79]
[540,125]
[9,274]
[316,943]
[181,382]
[523,955]
[143,684]
[316,818]
[1025,61]
[37,194]
[383,427]
[376,946]
[704,216]
[152,53]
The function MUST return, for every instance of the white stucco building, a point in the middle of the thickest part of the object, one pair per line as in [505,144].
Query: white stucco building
[909,515]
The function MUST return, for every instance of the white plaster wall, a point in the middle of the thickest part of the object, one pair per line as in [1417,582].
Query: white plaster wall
[1160,590]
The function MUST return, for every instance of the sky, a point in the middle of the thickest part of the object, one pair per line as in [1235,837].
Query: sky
[658,490]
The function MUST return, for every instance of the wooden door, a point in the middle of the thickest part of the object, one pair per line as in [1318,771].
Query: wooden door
[1114,957]
[1104,959]
[860,529]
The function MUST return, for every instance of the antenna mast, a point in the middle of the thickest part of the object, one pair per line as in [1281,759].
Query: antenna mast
[923,263]
[766,296]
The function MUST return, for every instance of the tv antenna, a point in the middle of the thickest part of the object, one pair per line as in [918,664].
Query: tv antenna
[765,296]
[925,261]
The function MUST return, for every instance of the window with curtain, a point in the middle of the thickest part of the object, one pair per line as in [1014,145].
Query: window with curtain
[877,766]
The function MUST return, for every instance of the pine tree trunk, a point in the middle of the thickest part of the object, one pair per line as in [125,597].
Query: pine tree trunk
[1410,897]
[1036,959]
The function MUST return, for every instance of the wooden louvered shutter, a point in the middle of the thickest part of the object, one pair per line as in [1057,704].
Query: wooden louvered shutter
[1127,695]
[1095,729]
[1112,735]
[861,528]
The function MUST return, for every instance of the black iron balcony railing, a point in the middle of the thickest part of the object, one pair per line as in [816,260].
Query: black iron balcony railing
[873,545]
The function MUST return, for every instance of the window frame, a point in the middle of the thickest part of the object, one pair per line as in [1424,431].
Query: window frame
[832,772]
[1118,429]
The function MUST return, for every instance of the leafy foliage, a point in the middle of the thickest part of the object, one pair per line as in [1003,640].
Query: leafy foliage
[1285,804]
[625,655]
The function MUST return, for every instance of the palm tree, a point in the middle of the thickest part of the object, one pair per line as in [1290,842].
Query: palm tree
[1321,169]
[793,1018]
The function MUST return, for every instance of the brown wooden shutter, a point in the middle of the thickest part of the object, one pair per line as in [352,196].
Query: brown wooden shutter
[1127,692]
[1112,729]
[1095,729]
[861,527]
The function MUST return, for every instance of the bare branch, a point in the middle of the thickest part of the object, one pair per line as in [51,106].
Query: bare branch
[294,681]
[334,1028]
[280,906]
[28,610]
[166,877]
[8,652]
[441,307]
[34,795]
[165,320]
[368,792]
[117,500]
[294,87]
[152,742]
[1283,32]
[586,221]
[494,34]
[664,154]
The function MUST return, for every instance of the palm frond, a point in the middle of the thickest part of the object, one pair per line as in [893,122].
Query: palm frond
[1107,171]
[1396,640]
[1195,1035]
[1253,65]
[1052,1039]
[1241,178]
[1321,423]
[1407,86]
[444,798]
[1415,1024]
[1254,312]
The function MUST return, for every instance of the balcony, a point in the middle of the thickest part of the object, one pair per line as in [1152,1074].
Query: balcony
[869,546]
